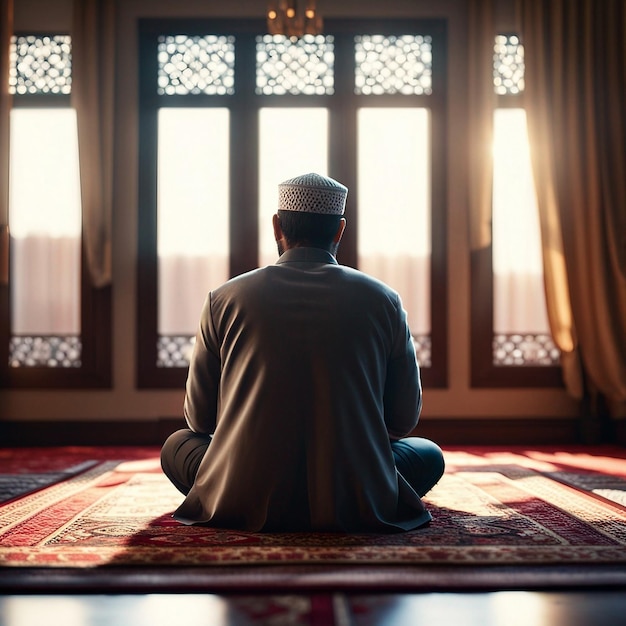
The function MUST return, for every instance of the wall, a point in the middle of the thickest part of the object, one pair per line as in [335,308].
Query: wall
[124,402]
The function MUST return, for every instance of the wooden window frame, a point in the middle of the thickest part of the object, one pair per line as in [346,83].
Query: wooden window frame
[484,373]
[95,309]
[244,105]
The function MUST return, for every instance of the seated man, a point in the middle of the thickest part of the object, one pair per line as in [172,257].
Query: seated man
[302,384]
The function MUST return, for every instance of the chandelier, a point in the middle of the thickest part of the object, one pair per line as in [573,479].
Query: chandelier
[292,18]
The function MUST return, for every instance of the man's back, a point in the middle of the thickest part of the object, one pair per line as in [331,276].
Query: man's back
[316,370]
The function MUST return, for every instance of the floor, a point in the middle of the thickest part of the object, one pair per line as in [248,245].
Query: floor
[599,606]
[502,608]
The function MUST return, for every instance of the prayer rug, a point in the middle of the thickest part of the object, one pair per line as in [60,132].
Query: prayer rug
[112,507]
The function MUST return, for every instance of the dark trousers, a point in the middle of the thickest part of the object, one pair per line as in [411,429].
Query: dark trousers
[419,460]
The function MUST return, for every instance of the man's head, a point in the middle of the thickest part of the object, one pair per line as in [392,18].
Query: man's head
[310,213]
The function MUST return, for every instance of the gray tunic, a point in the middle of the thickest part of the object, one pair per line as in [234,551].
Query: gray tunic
[302,371]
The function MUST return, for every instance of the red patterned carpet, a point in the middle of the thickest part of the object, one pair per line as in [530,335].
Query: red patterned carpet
[94,508]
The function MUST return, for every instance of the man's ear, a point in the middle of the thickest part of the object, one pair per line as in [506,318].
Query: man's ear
[340,229]
[278,231]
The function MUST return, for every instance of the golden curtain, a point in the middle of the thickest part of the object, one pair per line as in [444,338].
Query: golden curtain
[481,103]
[93,78]
[575,55]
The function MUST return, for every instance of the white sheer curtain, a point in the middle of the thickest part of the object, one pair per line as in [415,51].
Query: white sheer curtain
[45,218]
[519,297]
[193,213]
[394,204]
[45,283]
[184,282]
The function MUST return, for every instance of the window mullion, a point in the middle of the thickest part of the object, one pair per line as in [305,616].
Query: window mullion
[5,310]
[244,184]
[147,254]
[342,140]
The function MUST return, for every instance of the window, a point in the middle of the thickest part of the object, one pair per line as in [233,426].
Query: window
[192,241]
[227,112]
[49,337]
[514,346]
[401,185]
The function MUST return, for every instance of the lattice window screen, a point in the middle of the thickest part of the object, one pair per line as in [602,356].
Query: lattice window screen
[40,65]
[196,65]
[31,351]
[295,66]
[390,65]
[524,349]
[508,65]
[174,350]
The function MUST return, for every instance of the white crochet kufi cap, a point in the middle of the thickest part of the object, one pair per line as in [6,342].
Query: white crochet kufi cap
[312,193]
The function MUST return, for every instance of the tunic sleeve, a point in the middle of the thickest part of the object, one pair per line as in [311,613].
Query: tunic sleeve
[203,379]
[403,388]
